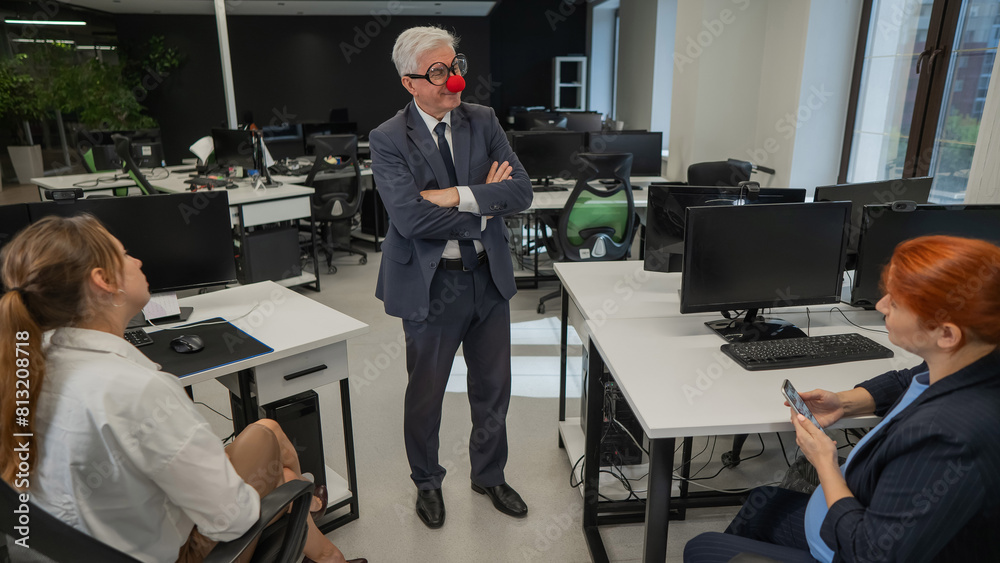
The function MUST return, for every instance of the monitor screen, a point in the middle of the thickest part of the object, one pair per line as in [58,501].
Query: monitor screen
[861,194]
[13,218]
[184,240]
[583,121]
[548,154]
[525,120]
[234,147]
[311,130]
[105,158]
[667,205]
[882,229]
[646,148]
[755,256]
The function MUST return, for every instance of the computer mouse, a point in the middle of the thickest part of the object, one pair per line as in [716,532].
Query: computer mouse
[187,344]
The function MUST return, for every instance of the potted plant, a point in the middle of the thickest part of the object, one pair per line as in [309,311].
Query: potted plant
[19,103]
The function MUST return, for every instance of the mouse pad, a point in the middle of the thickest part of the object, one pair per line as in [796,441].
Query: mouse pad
[224,344]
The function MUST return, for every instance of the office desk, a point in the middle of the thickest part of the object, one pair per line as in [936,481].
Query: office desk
[102,188]
[305,335]
[678,383]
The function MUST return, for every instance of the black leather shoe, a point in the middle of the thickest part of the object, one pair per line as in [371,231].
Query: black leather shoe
[505,499]
[430,508]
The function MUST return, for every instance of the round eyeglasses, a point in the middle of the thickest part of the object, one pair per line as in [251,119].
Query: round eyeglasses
[438,73]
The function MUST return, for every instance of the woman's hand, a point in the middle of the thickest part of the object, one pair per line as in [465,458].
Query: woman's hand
[825,406]
[818,448]
[499,172]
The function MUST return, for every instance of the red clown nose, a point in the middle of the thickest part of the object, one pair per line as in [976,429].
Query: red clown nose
[455,83]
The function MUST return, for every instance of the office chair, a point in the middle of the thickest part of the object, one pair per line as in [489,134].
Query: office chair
[52,540]
[336,204]
[597,223]
[721,173]
[123,147]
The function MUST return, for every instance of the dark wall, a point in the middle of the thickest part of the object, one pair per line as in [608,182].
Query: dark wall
[297,68]
[525,36]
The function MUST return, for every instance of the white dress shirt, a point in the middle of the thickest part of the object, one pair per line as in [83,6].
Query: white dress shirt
[466,201]
[125,457]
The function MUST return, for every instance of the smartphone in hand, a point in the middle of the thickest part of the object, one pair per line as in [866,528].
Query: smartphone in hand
[793,398]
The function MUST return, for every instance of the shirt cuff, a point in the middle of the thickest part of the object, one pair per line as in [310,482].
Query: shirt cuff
[466,201]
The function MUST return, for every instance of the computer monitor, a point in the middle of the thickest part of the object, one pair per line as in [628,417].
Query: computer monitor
[646,148]
[103,158]
[549,124]
[234,147]
[860,194]
[884,226]
[148,154]
[185,241]
[756,256]
[311,130]
[13,218]
[665,215]
[583,121]
[549,154]
[525,120]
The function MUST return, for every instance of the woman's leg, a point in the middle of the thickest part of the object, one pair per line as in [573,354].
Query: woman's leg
[255,455]
[773,515]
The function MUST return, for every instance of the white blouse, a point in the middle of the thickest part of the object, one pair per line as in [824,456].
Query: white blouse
[125,457]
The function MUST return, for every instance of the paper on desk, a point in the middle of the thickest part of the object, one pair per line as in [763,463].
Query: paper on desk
[268,161]
[203,148]
[162,305]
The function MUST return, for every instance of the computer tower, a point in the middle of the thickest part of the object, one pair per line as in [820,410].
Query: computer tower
[270,254]
[617,446]
[298,417]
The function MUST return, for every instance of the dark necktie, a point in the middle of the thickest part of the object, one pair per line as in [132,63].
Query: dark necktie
[465,246]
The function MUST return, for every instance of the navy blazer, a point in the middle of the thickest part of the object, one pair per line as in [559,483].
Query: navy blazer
[927,485]
[406,161]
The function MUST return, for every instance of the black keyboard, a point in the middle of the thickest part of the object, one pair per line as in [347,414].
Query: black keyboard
[137,337]
[804,352]
[549,188]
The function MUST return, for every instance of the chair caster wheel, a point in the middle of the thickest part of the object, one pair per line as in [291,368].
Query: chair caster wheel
[363,261]
[331,270]
[541,308]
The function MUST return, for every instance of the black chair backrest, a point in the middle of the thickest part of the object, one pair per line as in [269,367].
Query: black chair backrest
[123,146]
[598,240]
[337,196]
[721,173]
[49,535]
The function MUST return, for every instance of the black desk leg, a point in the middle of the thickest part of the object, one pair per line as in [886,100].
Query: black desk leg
[685,471]
[330,524]
[661,461]
[592,462]
[563,344]
[376,205]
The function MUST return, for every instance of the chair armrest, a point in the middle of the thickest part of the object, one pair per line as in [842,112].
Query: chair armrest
[271,506]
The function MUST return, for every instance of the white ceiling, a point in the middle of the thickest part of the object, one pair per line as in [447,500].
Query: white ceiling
[293,7]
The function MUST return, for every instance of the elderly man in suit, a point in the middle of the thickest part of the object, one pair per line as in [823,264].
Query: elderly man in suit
[446,174]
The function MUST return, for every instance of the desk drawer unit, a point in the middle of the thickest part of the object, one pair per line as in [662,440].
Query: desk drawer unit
[301,372]
[272,211]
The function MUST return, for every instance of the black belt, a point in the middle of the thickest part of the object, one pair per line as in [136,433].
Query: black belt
[456,263]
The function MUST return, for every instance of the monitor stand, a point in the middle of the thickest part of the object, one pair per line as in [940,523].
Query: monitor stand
[746,330]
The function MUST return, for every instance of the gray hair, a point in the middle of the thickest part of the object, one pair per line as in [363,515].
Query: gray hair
[414,41]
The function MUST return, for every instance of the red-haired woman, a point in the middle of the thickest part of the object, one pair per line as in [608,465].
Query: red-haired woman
[118,451]
[923,485]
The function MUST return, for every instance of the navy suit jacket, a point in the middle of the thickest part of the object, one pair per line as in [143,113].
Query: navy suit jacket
[406,161]
[927,485]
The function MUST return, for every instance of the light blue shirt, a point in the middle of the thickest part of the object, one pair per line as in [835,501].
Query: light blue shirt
[816,510]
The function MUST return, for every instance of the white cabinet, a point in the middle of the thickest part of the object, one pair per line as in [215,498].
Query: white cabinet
[569,83]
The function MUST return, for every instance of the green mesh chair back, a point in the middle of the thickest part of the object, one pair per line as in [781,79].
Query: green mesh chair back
[598,222]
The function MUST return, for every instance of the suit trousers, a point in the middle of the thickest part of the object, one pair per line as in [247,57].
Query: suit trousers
[771,523]
[465,308]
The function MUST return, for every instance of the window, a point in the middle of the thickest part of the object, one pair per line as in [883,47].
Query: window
[911,113]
